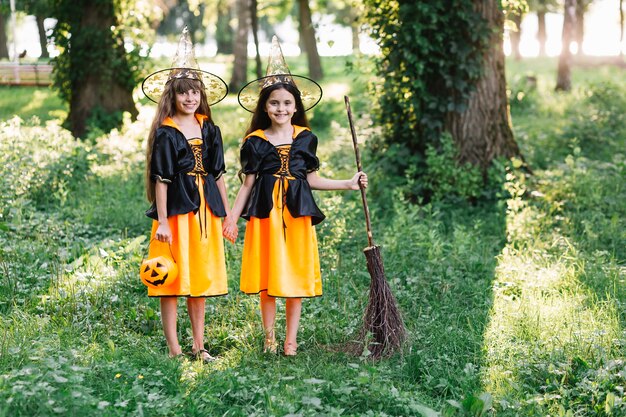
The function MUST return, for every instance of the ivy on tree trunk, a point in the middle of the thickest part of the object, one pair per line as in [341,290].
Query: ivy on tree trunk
[93,72]
[441,71]
[483,132]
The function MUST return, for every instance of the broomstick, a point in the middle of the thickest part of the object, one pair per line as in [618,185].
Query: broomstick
[382,319]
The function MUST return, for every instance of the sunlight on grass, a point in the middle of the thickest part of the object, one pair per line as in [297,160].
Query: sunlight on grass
[542,313]
[36,103]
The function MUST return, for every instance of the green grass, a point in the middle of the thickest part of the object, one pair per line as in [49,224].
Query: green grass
[28,102]
[514,306]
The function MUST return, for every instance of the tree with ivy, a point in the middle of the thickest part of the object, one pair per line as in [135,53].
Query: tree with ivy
[94,72]
[441,78]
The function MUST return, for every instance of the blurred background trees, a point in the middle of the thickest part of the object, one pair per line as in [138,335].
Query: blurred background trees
[440,71]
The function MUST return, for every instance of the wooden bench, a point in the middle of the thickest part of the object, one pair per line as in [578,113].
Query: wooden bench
[35,74]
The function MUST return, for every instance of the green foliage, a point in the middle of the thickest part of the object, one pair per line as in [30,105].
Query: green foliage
[89,50]
[598,121]
[100,121]
[431,58]
[522,92]
[588,118]
[28,102]
[94,56]
[514,305]
[445,178]
[36,175]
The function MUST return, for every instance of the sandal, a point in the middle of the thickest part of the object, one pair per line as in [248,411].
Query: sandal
[203,355]
[270,346]
[290,349]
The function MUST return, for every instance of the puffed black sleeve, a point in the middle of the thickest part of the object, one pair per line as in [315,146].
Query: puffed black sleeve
[249,156]
[310,154]
[163,161]
[218,166]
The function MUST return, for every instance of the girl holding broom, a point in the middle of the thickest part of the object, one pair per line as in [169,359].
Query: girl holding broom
[184,181]
[278,159]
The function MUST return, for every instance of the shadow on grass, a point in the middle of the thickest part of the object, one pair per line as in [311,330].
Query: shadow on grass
[444,282]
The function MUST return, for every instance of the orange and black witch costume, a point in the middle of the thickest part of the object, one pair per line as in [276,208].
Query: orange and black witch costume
[191,167]
[280,253]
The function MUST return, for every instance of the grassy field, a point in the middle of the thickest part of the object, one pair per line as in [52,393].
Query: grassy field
[514,306]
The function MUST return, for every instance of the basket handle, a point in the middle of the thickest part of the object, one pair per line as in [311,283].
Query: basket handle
[169,245]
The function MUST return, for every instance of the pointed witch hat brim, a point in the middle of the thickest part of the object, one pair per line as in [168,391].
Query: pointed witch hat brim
[278,73]
[184,65]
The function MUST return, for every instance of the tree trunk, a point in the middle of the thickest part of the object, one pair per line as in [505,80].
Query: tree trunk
[563,78]
[240,48]
[356,41]
[307,36]
[95,90]
[483,131]
[541,32]
[621,28]
[255,34]
[516,36]
[355,26]
[4,49]
[579,31]
[224,34]
[43,39]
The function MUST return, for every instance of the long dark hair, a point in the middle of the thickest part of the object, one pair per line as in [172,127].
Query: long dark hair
[260,119]
[167,108]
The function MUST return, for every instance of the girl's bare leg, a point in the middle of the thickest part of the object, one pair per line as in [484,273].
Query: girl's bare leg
[195,308]
[293,311]
[168,320]
[268,315]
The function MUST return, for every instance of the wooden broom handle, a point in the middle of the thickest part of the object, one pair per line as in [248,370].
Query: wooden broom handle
[368,222]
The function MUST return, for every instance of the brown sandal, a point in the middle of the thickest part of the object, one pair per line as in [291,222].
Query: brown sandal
[270,346]
[290,349]
[203,355]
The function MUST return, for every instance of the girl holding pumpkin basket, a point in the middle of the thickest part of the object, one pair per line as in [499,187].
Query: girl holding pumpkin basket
[184,167]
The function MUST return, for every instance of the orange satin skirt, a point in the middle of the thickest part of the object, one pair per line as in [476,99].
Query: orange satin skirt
[280,253]
[198,249]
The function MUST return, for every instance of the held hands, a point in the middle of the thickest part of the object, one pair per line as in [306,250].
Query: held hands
[230,229]
[163,233]
[359,179]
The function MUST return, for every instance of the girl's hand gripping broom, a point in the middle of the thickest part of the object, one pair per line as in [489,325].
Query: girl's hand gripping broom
[382,319]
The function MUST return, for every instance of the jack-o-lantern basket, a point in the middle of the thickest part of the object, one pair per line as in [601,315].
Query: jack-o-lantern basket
[159,271]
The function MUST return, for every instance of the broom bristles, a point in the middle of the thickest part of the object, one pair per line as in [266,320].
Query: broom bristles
[382,319]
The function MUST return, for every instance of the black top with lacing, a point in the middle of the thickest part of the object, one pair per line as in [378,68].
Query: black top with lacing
[173,160]
[260,157]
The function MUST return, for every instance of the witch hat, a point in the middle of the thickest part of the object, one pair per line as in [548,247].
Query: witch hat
[185,65]
[278,72]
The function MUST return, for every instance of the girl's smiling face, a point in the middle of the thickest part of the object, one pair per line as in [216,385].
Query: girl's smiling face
[280,106]
[188,102]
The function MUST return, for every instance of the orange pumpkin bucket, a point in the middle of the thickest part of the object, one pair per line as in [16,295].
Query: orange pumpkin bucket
[159,271]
